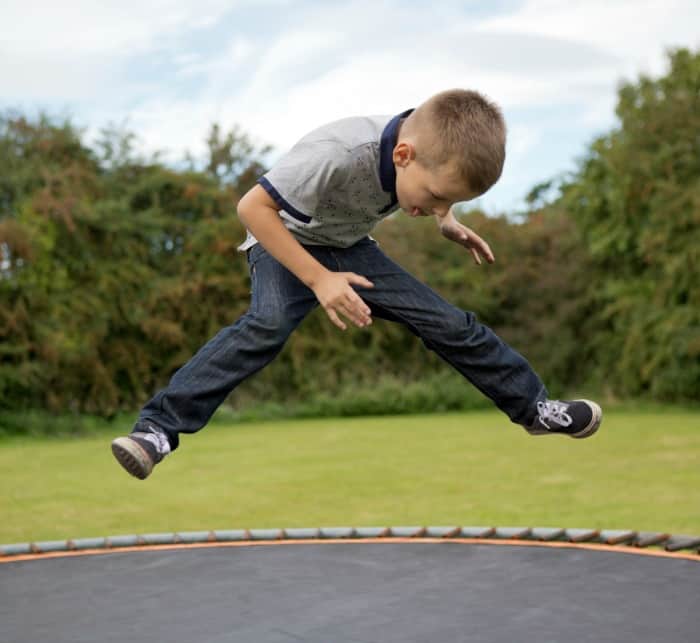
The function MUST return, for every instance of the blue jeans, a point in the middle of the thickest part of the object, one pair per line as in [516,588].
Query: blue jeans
[279,303]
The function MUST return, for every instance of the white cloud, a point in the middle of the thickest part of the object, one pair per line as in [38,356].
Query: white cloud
[71,51]
[84,27]
[636,31]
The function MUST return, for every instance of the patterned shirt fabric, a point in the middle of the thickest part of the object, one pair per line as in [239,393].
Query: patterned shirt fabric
[337,182]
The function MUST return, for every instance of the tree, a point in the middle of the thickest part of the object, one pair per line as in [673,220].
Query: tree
[233,158]
[636,199]
[113,269]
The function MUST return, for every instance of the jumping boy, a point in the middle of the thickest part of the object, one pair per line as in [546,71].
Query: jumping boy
[308,222]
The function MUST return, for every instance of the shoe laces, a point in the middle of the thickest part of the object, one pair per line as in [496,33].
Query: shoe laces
[551,411]
[158,440]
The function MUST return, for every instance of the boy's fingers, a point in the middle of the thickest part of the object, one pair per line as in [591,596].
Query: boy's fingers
[348,311]
[358,280]
[348,303]
[356,310]
[333,316]
[478,245]
[485,250]
[357,305]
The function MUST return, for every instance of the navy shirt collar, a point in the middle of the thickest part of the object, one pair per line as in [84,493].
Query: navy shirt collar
[387,171]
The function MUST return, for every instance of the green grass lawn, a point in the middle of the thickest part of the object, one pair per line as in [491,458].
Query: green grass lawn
[640,472]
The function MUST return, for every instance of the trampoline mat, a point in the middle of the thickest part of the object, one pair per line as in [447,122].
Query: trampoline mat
[352,592]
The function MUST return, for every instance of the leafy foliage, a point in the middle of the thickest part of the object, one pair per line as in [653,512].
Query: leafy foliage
[113,269]
[636,199]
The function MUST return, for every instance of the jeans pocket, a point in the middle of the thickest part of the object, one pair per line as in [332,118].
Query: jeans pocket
[254,254]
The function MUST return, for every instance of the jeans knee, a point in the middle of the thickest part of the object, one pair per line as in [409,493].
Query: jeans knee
[272,325]
[455,328]
[457,322]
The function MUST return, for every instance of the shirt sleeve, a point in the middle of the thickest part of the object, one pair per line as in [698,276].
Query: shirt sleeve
[299,180]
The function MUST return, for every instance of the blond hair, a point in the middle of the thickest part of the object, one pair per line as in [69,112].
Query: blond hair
[461,126]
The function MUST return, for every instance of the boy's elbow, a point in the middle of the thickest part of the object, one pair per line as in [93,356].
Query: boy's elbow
[254,201]
[243,208]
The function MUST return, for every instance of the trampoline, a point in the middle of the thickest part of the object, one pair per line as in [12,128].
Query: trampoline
[384,585]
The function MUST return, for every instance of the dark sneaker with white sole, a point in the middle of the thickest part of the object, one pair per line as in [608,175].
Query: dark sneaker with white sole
[140,451]
[575,418]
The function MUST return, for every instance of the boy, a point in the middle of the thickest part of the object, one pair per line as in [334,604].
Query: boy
[308,222]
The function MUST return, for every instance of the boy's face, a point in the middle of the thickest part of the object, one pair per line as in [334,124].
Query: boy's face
[422,191]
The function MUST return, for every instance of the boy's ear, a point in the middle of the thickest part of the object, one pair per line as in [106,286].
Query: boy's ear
[404,152]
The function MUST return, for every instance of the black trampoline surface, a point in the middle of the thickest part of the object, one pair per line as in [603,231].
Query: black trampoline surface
[354,593]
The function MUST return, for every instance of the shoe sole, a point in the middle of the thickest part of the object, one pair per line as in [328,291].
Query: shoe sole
[132,457]
[594,423]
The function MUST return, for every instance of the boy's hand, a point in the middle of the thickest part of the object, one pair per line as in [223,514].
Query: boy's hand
[335,294]
[455,231]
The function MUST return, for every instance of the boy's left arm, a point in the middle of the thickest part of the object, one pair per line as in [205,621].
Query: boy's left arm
[455,231]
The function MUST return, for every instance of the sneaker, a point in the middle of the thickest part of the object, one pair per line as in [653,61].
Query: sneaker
[140,451]
[576,418]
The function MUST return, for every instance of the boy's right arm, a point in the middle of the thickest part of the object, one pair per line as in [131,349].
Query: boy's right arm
[259,213]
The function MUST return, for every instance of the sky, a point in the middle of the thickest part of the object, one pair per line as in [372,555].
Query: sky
[168,69]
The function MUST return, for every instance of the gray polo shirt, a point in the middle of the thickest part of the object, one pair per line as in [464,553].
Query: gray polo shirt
[337,182]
